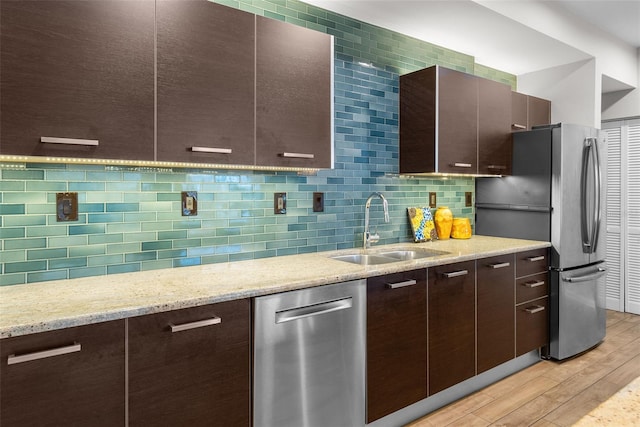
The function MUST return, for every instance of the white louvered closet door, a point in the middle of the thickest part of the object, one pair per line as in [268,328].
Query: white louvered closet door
[632,303]
[623,215]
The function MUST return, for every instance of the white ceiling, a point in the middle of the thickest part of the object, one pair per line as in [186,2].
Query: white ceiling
[492,38]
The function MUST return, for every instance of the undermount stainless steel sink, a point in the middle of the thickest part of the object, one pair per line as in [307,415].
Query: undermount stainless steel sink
[385,257]
[407,255]
[365,259]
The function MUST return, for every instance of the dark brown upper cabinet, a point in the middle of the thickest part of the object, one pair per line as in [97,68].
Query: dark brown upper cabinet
[453,122]
[77,78]
[293,95]
[206,55]
[494,128]
[528,111]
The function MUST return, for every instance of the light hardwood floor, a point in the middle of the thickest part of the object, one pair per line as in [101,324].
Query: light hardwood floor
[549,393]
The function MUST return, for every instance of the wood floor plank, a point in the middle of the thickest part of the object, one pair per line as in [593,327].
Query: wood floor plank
[552,393]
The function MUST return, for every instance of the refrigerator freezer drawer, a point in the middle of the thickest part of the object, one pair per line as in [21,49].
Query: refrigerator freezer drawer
[578,315]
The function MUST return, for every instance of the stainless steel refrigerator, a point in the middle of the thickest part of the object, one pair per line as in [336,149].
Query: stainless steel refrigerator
[556,193]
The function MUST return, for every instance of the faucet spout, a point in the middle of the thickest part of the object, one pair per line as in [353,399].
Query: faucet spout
[368,237]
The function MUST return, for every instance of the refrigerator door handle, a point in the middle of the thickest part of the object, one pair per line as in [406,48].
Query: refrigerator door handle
[586,278]
[590,231]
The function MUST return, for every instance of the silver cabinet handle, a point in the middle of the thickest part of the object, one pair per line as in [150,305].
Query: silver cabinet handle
[401,284]
[313,310]
[194,325]
[497,167]
[500,265]
[517,126]
[212,150]
[462,165]
[533,284]
[587,278]
[69,141]
[535,258]
[59,351]
[534,310]
[298,155]
[455,274]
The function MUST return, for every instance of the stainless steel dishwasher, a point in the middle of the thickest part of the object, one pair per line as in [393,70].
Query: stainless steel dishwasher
[309,361]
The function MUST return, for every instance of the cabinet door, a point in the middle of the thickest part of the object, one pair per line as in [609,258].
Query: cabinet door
[532,319]
[205,83]
[494,128]
[69,377]
[191,367]
[80,72]
[457,135]
[519,111]
[451,311]
[396,342]
[539,111]
[293,95]
[496,316]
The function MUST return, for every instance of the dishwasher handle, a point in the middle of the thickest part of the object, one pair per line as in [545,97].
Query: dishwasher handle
[313,310]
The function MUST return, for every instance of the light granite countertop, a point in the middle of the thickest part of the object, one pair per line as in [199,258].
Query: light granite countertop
[39,307]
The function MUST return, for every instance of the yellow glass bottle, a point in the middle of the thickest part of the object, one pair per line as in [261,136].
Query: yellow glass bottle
[444,220]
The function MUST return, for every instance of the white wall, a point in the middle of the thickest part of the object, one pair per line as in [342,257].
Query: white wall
[572,90]
[622,104]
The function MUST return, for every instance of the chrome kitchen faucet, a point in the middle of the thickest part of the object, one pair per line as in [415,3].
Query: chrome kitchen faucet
[368,237]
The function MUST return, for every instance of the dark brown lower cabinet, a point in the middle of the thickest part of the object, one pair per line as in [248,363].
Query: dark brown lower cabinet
[451,308]
[68,377]
[496,316]
[191,367]
[532,319]
[396,342]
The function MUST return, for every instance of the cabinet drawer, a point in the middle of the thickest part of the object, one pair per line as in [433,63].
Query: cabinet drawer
[67,377]
[532,287]
[532,325]
[532,262]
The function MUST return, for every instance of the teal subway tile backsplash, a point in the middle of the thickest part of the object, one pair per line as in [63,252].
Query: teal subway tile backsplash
[131,219]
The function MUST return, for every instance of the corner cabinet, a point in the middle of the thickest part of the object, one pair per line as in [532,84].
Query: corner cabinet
[396,342]
[294,95]
[206,76]
[77,79]
[453,122]
[68,377]
[191,367]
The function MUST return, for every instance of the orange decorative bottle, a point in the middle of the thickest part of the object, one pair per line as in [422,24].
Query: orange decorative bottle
[443,219]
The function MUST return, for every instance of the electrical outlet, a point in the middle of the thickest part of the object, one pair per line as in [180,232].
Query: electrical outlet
[189,203]
[66,207]
[468,198]
[432,199]
[279,203]
[318,202]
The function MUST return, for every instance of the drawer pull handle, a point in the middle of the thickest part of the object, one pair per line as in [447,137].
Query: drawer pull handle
[194,325]
[497,167]
[401,284]
[517,126]
[462,165]
[533,284]
[212,150]
[69,141]
[500,265]
[298,155]
[535,309]
[455,274]
[59,351]
[535,258]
